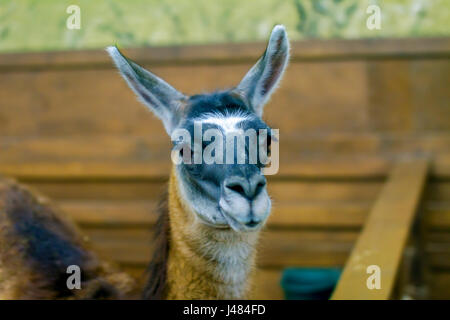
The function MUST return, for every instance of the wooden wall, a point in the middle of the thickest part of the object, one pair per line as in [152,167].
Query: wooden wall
[70,127]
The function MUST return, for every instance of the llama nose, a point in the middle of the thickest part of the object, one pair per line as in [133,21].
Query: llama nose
[247,188]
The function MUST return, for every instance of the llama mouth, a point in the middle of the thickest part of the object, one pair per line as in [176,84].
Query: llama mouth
[212,224]
[231,223]
[236,225]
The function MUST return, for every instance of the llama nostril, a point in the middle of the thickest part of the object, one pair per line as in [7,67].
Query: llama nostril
[236,188]
[247,188]
[259,187]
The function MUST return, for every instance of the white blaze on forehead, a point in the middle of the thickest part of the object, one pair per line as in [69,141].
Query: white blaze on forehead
[227,123]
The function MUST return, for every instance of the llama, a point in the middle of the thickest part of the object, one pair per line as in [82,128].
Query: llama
[38,243]
[207,237]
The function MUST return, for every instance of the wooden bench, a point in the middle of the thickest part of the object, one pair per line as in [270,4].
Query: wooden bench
[347,112]
[381,243]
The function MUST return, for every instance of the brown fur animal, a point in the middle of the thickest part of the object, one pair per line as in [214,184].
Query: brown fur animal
[38,243]
[208,235]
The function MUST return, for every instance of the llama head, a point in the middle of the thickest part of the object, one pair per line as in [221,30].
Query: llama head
[222,190]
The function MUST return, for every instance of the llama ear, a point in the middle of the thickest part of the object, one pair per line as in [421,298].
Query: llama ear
[154,92]
[262,79]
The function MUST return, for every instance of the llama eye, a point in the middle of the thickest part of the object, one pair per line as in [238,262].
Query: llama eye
[184,151]
[265,142]
[268,143]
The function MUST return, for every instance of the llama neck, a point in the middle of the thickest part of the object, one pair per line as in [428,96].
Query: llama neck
[204,262]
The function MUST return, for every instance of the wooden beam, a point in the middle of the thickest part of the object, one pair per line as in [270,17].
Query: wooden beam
[384,235]
[306,50]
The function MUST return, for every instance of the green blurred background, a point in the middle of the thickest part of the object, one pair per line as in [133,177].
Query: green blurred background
[39,25]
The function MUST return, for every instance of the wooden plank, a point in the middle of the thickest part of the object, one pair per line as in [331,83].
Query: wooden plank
[390,107]
[441,166]
[132,246]
[84,147]
[112,213]
[301,50]
[277,249]
[322,191]
[351,167]
[299,106]
[325,215]
[400,99]
[147,147]
[354,166]
[342,143]
[140,158]
[113,190]
[439,257]
[62,102]
[439,284]
[364,97]
[320,168]
[285,215]
[439,238]
[438,191]
[432,112]
[43,164]
[267,285]
[282,191]
[437,216]
[123,148]
[437,246]
[385,233]
[288,215]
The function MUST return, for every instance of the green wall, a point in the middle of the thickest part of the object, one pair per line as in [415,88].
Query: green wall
[37,25]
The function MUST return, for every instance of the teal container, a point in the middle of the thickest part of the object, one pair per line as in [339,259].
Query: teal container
[309,283]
